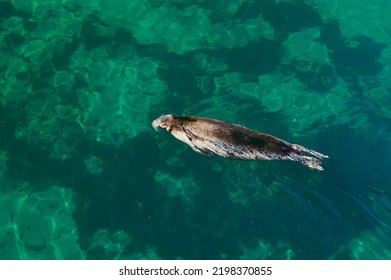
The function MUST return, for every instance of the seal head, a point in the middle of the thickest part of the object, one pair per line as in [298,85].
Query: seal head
[165,122]
[178,127]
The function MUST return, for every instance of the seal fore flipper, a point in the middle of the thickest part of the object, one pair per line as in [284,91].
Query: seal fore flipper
[202,152]
[190,136]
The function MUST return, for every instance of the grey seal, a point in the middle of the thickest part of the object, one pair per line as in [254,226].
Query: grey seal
[209,136]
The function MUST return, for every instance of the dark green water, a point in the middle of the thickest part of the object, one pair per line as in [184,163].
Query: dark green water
[84,176]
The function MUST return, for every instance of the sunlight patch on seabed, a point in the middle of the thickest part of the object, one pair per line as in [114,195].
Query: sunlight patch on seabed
[3,164]
[184,187]
[366,246]
[373,244]
[38,225]
[265,250]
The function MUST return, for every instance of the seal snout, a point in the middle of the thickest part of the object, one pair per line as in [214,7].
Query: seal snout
[155,124]
[162,122]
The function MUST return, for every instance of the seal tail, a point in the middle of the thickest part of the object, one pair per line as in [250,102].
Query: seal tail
[311,162]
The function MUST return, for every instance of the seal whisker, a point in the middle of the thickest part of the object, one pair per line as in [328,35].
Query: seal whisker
[155,125]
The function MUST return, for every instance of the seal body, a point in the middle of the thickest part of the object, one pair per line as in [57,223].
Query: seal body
[228,140]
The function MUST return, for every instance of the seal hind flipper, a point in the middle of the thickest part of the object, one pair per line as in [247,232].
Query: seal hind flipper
[311,162]
[302,149]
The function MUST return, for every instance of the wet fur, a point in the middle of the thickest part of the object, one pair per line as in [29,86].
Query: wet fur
[210,136]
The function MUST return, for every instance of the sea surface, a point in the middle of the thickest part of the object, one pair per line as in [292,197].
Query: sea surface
[83,175]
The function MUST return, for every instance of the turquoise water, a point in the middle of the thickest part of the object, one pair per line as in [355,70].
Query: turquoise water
[83,175]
